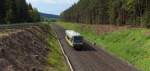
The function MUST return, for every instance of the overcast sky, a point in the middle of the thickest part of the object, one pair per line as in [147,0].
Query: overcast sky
[52,6]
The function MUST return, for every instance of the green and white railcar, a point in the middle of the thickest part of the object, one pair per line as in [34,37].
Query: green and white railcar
[74,39]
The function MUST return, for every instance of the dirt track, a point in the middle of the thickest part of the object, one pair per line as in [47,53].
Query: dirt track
[91,58]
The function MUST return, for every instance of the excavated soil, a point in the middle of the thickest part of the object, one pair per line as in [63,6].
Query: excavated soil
[24,50]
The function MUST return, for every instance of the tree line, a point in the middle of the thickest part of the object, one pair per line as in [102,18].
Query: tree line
[118,12]
[15,11]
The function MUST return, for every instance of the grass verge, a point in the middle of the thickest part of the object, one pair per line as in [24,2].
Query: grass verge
[132,45]
[55,57]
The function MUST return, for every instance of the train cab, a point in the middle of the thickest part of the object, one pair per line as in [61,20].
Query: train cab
[74,39]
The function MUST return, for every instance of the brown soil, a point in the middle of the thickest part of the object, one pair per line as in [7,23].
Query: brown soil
[24,50]
[7,32]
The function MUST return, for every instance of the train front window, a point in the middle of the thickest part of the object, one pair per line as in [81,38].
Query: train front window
[78,39]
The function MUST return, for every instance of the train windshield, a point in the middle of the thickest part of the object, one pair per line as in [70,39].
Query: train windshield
[78,39]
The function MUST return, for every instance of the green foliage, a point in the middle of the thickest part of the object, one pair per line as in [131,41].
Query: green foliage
[119,12]
[35,15]
[131,45]
[55,58]
[2,10]
[14,11]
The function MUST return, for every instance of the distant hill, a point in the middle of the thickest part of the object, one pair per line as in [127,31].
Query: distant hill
[50,16]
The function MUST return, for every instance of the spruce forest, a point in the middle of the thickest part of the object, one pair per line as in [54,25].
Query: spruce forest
[117,12]
[15,11]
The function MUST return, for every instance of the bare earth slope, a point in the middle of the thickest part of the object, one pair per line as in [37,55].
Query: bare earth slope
[91,58]
[24,50]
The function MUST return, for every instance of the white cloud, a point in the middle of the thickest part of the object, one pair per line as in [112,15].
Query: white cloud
[52,6]
[53,1]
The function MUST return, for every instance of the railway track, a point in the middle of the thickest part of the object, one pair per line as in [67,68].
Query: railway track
[91,58]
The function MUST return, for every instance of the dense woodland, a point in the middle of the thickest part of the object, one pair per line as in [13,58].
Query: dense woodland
[118,12]
[14,11]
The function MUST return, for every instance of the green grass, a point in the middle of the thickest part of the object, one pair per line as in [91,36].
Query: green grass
[132,45]
[55,57]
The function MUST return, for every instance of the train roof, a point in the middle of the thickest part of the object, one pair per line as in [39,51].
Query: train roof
[72,33]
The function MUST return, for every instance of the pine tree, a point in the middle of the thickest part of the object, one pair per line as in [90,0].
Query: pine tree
[2,11]
[9,11]
[118,12]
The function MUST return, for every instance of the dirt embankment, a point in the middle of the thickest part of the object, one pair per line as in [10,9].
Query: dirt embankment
[25,50]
